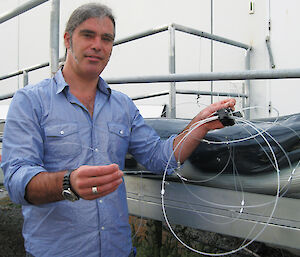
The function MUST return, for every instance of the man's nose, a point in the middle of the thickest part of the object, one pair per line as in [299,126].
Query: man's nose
[97,44]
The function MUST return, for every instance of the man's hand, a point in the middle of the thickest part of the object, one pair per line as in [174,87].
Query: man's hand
[192,141]
[210,110]
[105,178]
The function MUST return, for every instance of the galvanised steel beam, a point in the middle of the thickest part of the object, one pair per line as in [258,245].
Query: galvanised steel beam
[212,76]
[21,9]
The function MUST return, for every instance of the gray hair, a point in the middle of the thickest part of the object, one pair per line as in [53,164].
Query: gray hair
[84,12]
[87,11]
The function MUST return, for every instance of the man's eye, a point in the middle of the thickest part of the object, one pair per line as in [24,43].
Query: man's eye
[88,35]
[108,39]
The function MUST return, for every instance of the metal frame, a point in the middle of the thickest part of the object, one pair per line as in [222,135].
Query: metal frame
[216,76]
[54,36]
[54,49]
[21,9]
[172,28]
[283,230]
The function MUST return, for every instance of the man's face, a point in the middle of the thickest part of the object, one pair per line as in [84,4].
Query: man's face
[90,47]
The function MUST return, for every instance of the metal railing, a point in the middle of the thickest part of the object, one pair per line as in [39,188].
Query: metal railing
[21,9]
[172,78]
[172,28]
[54,37]
[54,47]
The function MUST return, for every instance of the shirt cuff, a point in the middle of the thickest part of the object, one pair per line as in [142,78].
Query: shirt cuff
[18,182]
[173,165]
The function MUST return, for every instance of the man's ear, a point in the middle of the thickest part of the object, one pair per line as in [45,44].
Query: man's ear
[67,40]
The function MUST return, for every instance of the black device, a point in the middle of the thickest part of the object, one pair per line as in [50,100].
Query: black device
[226,116]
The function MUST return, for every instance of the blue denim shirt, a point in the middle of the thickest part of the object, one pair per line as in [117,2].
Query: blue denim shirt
[48,129]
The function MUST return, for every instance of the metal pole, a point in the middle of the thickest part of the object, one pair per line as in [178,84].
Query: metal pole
[246,102]
[210,36]
[211,48]
[141,35]
[6,96]
[196,92]
[25,78]
[21,9]
[145,96]
[54,36]
[20,72]
[272,64]
[216,76]
[172,67]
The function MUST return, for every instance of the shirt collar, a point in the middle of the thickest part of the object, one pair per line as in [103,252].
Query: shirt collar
[61,84]
[59,81]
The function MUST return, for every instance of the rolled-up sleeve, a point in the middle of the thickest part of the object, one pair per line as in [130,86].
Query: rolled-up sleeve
[22,152]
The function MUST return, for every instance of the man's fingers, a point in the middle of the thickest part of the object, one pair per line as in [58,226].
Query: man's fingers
[227,103]
[93,197]
[95,171]
[102,190]
[105,178]
[230,103]
[99,180]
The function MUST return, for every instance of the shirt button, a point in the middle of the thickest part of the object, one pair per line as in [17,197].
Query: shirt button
[100,201]
[62,132]
[96,149]
[102,228]
[121,132]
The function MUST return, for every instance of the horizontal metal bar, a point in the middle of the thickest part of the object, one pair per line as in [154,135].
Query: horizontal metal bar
[188,92]
[32,68]
[210,36]
[182,29]
[16,73]
[144,199]
[140,35]
[145,96]
[196,92]
[21,9]
[212,76]
[6,96]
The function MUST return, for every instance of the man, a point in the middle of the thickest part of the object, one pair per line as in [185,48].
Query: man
[65,144]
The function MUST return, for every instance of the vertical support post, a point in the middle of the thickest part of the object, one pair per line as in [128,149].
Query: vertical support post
[246,102]
[25,78]
[211,48]
[172,70]
[54,36]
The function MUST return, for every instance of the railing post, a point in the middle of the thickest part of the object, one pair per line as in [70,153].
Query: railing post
[246,101]
[172,70]
[25,78]
[54,36]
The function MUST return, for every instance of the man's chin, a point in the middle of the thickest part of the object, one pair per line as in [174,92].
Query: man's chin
[93,73]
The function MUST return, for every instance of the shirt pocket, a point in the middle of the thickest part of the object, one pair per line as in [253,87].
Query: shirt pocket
[118,140]
[62,140]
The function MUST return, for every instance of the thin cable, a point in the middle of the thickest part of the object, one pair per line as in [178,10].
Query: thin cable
[246,138]
[208,179]
[245,245]
[239,206]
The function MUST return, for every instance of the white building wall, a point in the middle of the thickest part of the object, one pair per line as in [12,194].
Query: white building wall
[149,56]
